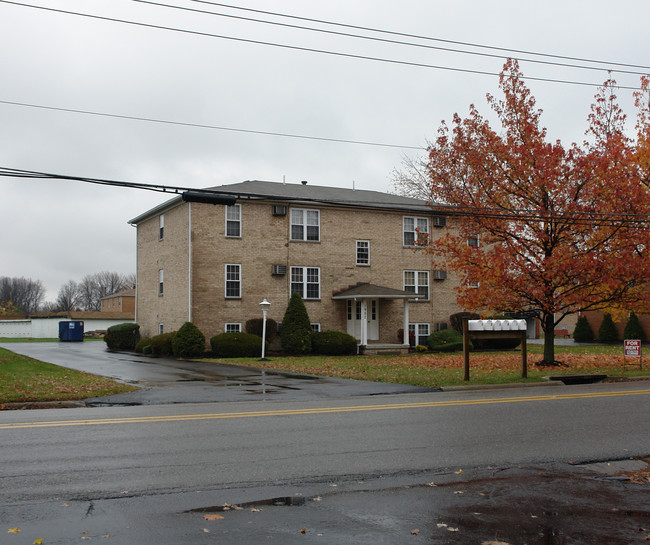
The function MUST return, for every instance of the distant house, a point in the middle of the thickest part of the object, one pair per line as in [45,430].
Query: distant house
[122,301]
[351,255]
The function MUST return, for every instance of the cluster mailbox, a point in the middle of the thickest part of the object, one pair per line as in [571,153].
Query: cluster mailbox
[496,325]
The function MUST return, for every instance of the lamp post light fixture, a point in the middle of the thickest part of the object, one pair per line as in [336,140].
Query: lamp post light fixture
[265,308]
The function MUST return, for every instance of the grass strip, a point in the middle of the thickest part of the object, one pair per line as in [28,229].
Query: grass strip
[26,379]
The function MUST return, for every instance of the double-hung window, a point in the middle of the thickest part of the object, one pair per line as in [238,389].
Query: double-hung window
[413,228]
[306,281]
[161,227]
[420,332]
[233,327]
[417,282]
[363,252]
[233,281]
[161,275]
[305,224]
[473,241]
[233,221]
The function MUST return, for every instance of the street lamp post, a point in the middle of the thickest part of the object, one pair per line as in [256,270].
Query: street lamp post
[265,308]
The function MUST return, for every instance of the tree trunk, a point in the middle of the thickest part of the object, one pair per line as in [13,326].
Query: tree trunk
[548,326]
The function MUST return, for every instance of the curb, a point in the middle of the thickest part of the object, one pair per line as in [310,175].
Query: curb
[26,405]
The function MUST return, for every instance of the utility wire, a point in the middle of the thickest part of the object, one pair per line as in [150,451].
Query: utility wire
[594,219]
[385,40]
[420,37]
[213,127]
[305,49]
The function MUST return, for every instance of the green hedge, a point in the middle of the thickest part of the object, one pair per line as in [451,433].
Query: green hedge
[446,340]
[236,345]
[122,336]
[256,325]
[143,343]
[161,345]
[333,343]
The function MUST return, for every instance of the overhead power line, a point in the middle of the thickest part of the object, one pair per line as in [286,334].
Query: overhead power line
[213,127]
[305,49]
[389,41]
[595,219]
[508,51]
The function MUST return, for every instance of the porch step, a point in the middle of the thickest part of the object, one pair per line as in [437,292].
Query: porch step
[385,349]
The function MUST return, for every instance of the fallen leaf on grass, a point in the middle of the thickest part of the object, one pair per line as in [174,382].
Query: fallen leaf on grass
[212,517]
[13,530]
[415,532]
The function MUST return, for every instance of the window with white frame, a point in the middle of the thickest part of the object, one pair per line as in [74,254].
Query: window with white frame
[161,226]
[233,327]
[417,282]
[161,277]
[421,332]
[160,329]
[233,221]
[233,281]
[306,281]
[305,224]
[473,241]
[363,252]
[315,327]
[414,226]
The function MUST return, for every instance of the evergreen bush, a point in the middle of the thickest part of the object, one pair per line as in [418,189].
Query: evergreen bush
[445,340]
[634,329]
[142,344]
[296,333]
[188,342]
[583,332]
[607,331]
[122,336]
[161,345]
[236,345]
[456,320]
[333,343]
[256,325]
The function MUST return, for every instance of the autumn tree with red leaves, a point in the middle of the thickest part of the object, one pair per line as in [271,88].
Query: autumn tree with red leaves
[559,229]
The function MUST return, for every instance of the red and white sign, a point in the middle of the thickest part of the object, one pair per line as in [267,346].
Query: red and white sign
[632,348]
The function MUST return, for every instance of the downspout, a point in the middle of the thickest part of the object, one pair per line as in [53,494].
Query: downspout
[137,263]
[189,267]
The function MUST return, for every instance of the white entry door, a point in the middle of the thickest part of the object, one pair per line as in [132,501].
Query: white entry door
[355,318]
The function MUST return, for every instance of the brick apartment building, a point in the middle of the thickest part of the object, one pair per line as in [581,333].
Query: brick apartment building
[349,253]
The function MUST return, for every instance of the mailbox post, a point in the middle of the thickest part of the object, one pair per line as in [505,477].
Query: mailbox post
[490,329]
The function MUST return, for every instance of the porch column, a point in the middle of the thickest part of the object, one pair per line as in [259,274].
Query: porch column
[406,322]
[364,322]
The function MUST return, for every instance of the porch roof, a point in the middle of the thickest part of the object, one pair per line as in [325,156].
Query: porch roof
[372,291]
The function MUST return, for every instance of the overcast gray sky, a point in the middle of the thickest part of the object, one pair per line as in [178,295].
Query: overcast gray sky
[57,231]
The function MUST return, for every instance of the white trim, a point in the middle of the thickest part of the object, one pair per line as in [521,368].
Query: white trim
[304,282]
[356,253]
[238,221]
[414,230]
[304,224]
[238,324]
[239,280]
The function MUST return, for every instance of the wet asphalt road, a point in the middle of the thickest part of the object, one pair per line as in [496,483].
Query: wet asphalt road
[167,381]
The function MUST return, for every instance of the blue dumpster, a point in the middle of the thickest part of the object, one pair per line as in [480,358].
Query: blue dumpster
[71,331]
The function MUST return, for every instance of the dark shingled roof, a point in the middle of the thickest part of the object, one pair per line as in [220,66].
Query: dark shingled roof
[363,290]
[306,193]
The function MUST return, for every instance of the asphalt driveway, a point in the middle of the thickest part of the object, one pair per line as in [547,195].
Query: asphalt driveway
[166,380]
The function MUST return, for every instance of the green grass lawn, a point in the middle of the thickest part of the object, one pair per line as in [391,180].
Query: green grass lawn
[438,370]
[26,379]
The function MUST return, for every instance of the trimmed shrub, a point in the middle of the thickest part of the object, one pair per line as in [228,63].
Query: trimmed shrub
[583,332]
[421,348]
[122,336]
[256,325]
[188,342]
[634,329]
[445,340]
[607,331]
[143,343]
[296,332]
[236,345]
[161,345]
[333,343]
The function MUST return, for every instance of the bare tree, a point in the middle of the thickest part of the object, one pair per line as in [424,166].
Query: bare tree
[68,297]
[24,293]
[413,179]
[93,287]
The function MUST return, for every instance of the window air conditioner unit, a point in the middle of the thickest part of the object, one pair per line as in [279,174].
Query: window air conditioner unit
[279,210]
[439,221]
[439,275]
[279,270]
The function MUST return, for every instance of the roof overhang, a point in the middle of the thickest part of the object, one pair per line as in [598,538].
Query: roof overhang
[372,291]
